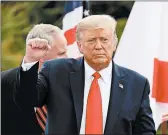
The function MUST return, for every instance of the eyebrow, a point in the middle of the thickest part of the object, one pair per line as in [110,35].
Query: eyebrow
[91,38]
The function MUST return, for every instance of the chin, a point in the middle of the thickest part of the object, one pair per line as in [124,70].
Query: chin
[100,61]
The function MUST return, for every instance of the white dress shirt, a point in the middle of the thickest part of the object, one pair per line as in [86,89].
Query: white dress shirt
[105,87]
[27,66]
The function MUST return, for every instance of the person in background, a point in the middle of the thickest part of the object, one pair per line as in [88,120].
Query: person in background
[17,120]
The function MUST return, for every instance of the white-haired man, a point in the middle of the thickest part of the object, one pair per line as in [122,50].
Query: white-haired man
[90,95]
[22,120]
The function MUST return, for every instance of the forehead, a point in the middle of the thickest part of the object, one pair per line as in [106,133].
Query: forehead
[97,32]
[59,40]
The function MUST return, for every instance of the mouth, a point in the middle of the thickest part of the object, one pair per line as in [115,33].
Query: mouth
[99,54]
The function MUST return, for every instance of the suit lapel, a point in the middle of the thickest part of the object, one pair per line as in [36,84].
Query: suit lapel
[118,88]
[77,87]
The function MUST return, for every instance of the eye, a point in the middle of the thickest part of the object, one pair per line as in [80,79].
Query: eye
[104,39]
[91,40]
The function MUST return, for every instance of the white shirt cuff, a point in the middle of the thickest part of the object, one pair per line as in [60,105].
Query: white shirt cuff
[27,66]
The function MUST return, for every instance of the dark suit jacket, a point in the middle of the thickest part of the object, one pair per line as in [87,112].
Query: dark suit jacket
[14,119]
[60,85]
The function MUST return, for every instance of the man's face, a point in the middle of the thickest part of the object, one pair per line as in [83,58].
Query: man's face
[58,48]
[97,46]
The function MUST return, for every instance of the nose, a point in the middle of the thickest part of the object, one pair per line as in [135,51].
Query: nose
[98,45]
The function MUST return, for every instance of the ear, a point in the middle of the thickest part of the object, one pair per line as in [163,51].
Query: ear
[114,48]
[115,41]
[80,47]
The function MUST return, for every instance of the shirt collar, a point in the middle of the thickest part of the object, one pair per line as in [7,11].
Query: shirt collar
[105,73]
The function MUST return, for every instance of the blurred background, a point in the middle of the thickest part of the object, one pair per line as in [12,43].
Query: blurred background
[19,17]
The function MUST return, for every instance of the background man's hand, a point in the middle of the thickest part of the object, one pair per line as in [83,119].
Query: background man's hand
[36,49]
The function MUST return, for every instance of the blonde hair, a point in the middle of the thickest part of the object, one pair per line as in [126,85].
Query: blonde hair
[43,31]
[97,21]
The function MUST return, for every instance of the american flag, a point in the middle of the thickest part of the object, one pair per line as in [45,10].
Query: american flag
[74,12]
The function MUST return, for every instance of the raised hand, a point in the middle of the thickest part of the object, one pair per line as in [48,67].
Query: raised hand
[36,49]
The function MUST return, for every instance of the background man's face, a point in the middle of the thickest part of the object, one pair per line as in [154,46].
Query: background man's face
[97,45]
[58,48]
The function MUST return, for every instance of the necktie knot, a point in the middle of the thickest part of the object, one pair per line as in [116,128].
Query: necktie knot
[96,75]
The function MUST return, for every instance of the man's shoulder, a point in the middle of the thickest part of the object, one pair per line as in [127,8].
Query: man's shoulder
[10,73]
[63,63]
[8,77]
[130,73]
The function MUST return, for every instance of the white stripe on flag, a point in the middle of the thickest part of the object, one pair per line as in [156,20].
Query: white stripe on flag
[72,18]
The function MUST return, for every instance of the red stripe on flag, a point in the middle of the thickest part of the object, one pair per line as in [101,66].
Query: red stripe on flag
[70,35]
[160,81]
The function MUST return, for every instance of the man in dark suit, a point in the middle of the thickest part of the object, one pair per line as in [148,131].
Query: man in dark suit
[15,120]
[89,95]
[22,120]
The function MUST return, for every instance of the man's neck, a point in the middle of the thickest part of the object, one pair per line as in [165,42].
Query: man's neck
[40,66]
[98,67]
